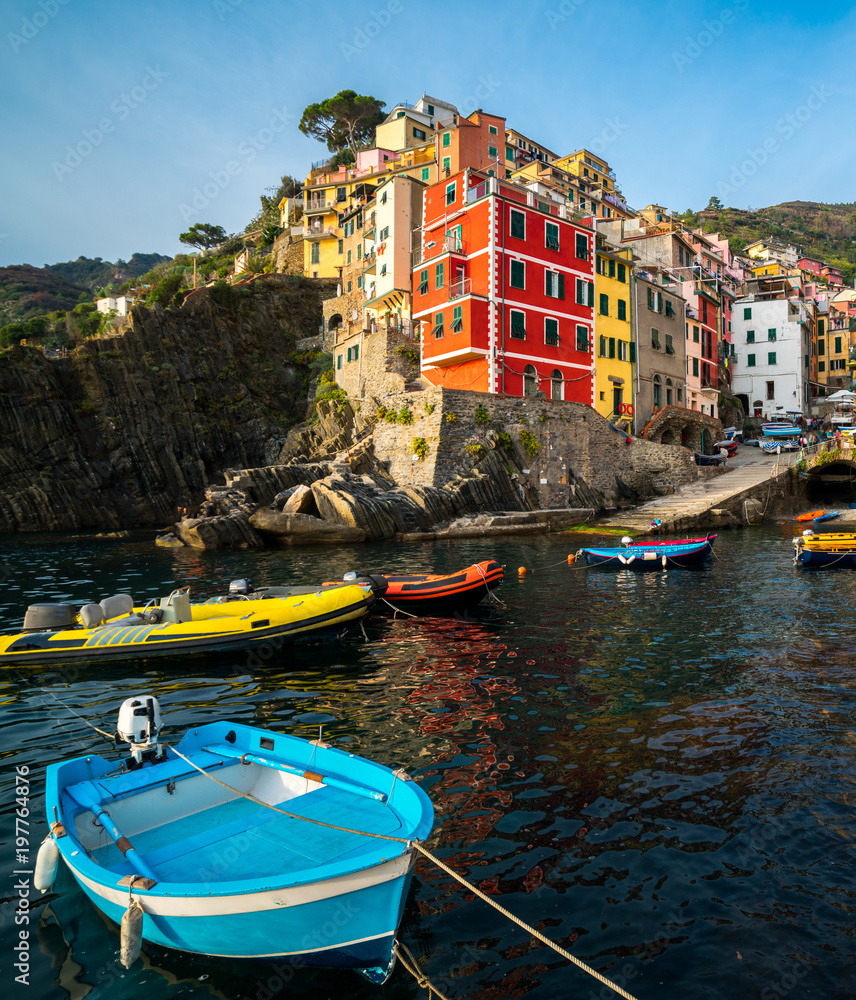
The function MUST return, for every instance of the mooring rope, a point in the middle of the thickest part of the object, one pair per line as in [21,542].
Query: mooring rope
[409,963]
[109,736]
[417,846]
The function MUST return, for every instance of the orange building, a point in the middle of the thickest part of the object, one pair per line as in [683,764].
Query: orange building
[504,291]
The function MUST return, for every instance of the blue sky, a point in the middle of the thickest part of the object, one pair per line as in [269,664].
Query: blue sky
[116,116]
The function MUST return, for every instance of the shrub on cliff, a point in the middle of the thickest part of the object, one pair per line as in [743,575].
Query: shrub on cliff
[167,292]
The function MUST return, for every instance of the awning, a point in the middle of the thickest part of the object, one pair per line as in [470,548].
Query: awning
[392,299]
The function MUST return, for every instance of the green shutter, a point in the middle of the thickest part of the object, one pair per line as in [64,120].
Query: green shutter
[612,269]
[551,332]
[561,286]
[632,353]
[771,358]
[591,294]
[447,138]
[423,282]
[602,347]
[426,173]
[604,304]
[457,319]
[518,325]
[750,361]
[612,347]
[651,298]
[438,275]
[518,274]
[622,309]
[695,366]
[621,273]
[518,225]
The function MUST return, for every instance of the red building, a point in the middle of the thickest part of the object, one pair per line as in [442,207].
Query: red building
[503,288]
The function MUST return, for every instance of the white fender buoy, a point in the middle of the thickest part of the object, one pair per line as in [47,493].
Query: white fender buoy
[46,864]
[131,936]
[664,563]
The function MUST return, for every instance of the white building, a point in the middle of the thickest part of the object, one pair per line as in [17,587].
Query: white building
[772,341]
[397,212]
[121,304]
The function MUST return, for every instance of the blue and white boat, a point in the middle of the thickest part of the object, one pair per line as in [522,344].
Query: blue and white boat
[240,843]
[781,429]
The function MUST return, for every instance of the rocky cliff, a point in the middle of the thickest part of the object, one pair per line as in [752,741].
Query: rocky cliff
[129,427]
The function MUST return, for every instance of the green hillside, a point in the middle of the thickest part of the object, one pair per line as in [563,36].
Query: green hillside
[827,232]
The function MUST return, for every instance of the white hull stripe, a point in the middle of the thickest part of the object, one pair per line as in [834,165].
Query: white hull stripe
[301,951]
[204,905]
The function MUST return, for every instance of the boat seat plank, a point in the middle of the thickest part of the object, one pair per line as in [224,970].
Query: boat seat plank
[240,840]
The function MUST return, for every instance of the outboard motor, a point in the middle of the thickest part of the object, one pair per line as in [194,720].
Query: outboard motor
[139,725]
[241,587]
[352,576]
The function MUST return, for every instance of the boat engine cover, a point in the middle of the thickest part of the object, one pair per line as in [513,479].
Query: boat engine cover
[44,617]
[242,586]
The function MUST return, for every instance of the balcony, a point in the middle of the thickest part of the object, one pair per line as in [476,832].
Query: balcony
[434,250]
[466,286]
[313,207]
[319,232]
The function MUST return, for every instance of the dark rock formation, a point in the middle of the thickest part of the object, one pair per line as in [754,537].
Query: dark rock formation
[130,427]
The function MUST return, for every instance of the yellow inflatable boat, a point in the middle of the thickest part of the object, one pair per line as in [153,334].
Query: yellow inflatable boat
[115,628]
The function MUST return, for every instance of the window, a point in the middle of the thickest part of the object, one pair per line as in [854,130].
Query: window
[601,346]
[450,193]
[670,348]
[821,327]
[821,366]
[838,345]
[821,347]
[382,270]
[359,251]
[423,282]
[771,358]
[384,233]
[747,313]
[492,130]
[340,245]
[551,236]
[518,325]
[530,380]
[509,152]
[419,134]
[612,269]
[518,274]
[669,310]
[695,367]
[622,275]
[658,399]
[612,347]
[348,257]
[555,384]
[349,286]
[582,339]
[339,361]
[771,335]
[447,163]
[554,284]
[551,332]
[581,292]
[457,319]
[668,392]
[447,138]
[750,336]
[655,339]
[350,352]
[492,153]
[604,304]
[518,225]
[622,350]
[631,352]
[582,246]
[438,326]
[750,360]
[771,390]
[341,194]
[430,109]
[590,286]
[426,173]
[315,254]
[439,276]
[622,309]
[695,334]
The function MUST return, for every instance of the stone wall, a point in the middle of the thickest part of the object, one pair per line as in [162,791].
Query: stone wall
[288,253]
[381,366]
[563,454]
[678,425]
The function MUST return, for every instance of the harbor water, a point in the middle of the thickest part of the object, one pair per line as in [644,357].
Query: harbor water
[657,770]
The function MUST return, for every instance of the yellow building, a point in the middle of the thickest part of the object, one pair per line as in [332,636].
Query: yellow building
[768,268]
[615,348]
[594,176]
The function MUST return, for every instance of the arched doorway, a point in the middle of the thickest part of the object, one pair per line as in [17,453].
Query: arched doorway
[556,384]
[530,380]
[669,392]
[334,322]
[658,393]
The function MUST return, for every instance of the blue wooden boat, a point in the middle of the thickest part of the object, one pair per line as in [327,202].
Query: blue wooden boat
[785,444]
[780,430]
[239,842]
[828,515]
[650,555]
[824,558]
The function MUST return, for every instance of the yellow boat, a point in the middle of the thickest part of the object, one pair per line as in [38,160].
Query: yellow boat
[171,625]
[828,541]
